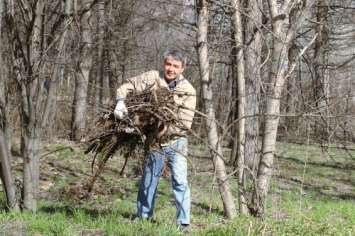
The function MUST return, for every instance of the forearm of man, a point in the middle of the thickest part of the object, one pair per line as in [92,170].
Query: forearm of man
[124,90]
[138,83]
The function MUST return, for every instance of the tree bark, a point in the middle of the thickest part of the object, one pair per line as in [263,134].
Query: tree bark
[207,96]
[82,76]
[238,36]
[7,177]
[31,130]
[281,41]
[112,70]
[100,55]
[321,73]
[30,69]
[252,75]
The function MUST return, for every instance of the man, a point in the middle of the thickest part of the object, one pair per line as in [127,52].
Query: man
[175,150]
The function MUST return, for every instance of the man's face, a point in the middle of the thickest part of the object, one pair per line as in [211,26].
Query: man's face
[172,69]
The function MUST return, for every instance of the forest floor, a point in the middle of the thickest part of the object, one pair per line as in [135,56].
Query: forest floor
[312,192]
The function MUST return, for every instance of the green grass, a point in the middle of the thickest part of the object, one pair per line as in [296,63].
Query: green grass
[309,195]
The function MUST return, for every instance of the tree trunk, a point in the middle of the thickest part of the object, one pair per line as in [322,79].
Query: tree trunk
[112,70]
[281,41]
[289,106]
[238,36]
[100,55]
[7,177]
[207,96]
[321,72]
[82,76]
[31,167]
[34,117]
[252,75]
[31,129]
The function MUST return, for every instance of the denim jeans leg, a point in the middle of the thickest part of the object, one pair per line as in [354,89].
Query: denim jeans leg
[178,166]
[154,163]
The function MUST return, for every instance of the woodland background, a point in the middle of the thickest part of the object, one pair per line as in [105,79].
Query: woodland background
[264,71]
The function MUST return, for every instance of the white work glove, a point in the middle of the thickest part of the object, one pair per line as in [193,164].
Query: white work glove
[120,110]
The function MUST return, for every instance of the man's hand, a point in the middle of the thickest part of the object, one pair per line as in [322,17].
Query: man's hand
[120,110]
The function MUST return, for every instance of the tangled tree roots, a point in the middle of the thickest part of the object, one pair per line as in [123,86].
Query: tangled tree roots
[150,115]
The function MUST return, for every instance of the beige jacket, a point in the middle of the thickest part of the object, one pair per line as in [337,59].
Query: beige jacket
[184,93]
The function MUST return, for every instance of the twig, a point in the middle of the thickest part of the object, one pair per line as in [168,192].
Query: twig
[57,150]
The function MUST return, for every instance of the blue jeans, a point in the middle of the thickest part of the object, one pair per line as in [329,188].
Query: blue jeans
[154,163]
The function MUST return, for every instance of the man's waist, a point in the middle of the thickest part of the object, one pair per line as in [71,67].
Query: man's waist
[171,139]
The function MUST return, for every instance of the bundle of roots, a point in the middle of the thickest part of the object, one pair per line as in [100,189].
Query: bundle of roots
[150,115]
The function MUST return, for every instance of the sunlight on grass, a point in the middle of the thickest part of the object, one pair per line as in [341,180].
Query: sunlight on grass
[307,196]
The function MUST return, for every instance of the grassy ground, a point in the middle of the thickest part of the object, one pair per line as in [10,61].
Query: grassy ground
[311,193]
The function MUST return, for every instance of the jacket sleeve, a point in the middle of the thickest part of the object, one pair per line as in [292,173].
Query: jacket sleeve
[138,83]
[187,99]
[187,115]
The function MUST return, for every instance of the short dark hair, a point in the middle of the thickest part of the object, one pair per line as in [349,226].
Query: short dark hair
[176,54]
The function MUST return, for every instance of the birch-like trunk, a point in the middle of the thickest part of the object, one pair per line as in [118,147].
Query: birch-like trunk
[238,36]
[82,75]
[281,40]
[207,96]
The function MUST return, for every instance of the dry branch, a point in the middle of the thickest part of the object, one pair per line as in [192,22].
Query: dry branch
[151,115]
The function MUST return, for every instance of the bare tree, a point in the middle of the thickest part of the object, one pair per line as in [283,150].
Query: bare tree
[100,53]
[82,74]
[238,36]
[253,61]
[30,89]
[31,39]
[281,40]
[207,96]
[253,22]
[6,174]
[321,80]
